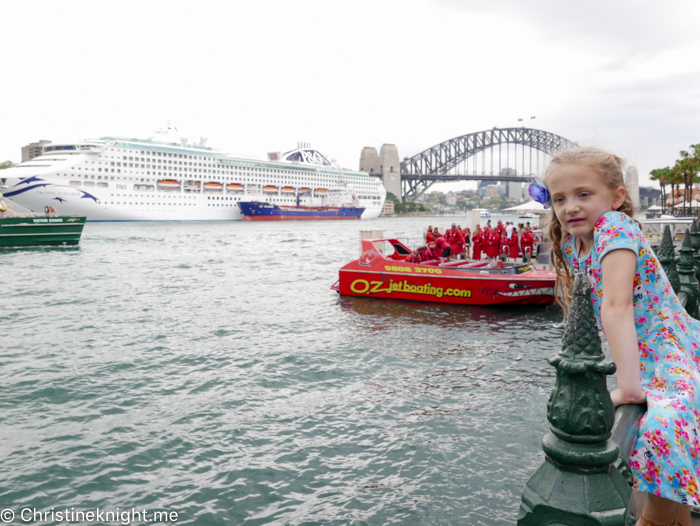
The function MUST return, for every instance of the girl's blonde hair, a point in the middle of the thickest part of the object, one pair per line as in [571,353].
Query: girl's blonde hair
[609,167]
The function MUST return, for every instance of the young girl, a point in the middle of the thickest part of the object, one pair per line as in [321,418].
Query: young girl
[653,341]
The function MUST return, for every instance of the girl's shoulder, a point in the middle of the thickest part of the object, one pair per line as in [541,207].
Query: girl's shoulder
[567,248]
[610,221]
[616,230]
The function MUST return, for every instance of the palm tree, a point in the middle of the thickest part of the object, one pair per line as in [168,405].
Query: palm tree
[663,175]
[687,168]
[675,181]
[696,167]
[680,169]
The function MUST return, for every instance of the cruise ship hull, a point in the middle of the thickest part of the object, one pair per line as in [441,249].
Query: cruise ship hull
[96,204]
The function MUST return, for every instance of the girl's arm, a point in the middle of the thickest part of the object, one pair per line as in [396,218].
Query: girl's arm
[617,316]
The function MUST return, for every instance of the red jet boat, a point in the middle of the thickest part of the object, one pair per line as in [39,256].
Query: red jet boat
[464,282]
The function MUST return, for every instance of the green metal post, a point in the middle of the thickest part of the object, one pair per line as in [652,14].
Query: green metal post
[667,258]
[577,484]
[689,283]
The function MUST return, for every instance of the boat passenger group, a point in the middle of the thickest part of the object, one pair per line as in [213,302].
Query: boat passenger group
[504,241]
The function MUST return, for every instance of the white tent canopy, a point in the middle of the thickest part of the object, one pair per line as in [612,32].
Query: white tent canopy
[532,206]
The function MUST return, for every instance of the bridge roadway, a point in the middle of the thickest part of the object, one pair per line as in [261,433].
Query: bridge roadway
[445,178]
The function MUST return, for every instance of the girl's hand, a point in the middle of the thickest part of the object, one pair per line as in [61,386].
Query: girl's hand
[618,399]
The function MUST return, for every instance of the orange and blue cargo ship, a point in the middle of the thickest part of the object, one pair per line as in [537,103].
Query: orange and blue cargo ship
[263,211]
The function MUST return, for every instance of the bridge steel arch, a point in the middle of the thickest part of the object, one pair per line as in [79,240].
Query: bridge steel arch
[420,172]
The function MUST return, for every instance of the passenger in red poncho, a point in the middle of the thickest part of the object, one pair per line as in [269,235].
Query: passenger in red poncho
[527,240]
[513,245]
[478,239]
[503,248]
[460,240]
[453,238]
[413,257]
[429,235]
[492,244]
[429,253]
[500,228]
[442,247]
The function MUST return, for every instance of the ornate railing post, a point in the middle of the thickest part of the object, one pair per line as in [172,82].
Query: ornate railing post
[667,258]
[695,243]
[689,283]
[577,484]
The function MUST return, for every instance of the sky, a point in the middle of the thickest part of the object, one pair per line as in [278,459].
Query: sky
[258,77]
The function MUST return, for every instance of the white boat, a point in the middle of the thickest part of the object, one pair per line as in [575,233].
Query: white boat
[163,179]
[483,212]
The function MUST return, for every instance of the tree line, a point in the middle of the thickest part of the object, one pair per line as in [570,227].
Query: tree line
[406,207]
[684,172]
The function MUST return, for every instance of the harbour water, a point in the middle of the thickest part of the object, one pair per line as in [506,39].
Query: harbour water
[208,369]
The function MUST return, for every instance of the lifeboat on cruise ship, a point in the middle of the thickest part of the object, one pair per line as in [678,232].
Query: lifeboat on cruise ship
[321,191]
[304,190]
[168,183]
[234,187]
[269,189]
[487,283]
[213,186]
[287,189]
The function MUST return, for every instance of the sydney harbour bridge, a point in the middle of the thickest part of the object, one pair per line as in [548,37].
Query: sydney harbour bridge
[499,154]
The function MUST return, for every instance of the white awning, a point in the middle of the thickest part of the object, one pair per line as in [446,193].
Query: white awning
[532,206]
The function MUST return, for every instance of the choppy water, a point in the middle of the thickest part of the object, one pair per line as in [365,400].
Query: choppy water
[208,369]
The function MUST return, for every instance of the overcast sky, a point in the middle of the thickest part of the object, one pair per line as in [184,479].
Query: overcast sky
[259,76]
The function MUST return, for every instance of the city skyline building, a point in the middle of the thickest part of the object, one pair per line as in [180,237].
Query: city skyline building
[33,149]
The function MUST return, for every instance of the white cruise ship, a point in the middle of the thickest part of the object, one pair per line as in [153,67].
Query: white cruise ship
[158,179]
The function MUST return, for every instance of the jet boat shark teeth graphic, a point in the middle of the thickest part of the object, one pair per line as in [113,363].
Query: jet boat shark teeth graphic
[520,290]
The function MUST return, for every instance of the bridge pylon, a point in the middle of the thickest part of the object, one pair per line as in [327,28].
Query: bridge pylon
[386,164]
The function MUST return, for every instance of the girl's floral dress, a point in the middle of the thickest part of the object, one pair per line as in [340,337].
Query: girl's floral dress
[666,457]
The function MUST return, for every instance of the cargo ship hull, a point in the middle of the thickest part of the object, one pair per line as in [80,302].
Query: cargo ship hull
[260,211]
